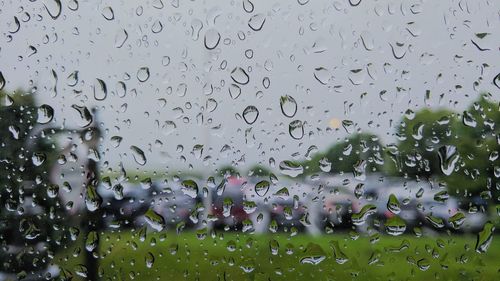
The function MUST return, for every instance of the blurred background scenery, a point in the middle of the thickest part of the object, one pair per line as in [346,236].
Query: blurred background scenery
[249,140]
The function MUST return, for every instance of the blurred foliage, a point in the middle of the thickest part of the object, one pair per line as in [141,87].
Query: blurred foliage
[30,215]
[475,135]
[259,171]
[345,155]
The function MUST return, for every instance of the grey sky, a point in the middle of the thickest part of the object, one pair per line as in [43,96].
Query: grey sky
[434,36]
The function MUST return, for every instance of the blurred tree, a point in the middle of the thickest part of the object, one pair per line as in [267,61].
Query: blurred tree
[478,143]
[259,171]
[420,135]
[461,150]
[228,170]
[30,212]
[357,150]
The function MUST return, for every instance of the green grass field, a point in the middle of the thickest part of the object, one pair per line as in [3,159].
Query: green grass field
[236,256]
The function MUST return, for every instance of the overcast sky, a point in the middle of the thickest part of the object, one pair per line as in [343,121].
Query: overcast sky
[325,54]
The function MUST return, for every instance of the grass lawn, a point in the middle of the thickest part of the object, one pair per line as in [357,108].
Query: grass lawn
[236,256]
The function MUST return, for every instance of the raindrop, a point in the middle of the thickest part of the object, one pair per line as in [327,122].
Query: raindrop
[212,39]
[262,187]
[72,79]
[457,220]
[485,237]
[45,114]
[296,129]
[469,120]
[157,27]
[395,226]
[291,168]
[354,3]
[138,155]
[288,106]
[115,141]
[149,259]
[190,188]
[155,220]
[248,6]
[448,158]
[38,158]
[53,7]
[250,114]
[322,75]
[100,90]
[256,22]
[108,13]
[143,74]
[435,221]
[120,38]
[85,118]
[313,253]
[92,199]
[121,89]
[398,51]
[234,91]
[393,204]
[325,165]
[2,81]
[364,213]
[240,76]
[92,241]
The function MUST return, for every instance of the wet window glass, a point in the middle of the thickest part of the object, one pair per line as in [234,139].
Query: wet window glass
[249,140]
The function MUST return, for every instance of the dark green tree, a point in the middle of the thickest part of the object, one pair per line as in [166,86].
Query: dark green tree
[344,156]
[30,212]
[420,136]
[460,150]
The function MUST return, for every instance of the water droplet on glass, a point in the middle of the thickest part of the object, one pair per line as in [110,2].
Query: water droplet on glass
[72,79]
[138,155]
[120,38]
[240,76]
[256,22]
[250,114]
[234,91]
[2,81]
[92,199]
[85,118]
[457,220]
[366,211]
[485,237]
[157,27]
[155,220]
[262,187]
[38,158]
[395,226]
[212,39]
[291,168]
[100,90]
[190,188]
[53,8]
[393,204]
[288,106]
[296,129]
[108,13]
[448,158]
[248,6]
[143,74]
[45,114]
[322,75]
[469,120]
[313,253]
